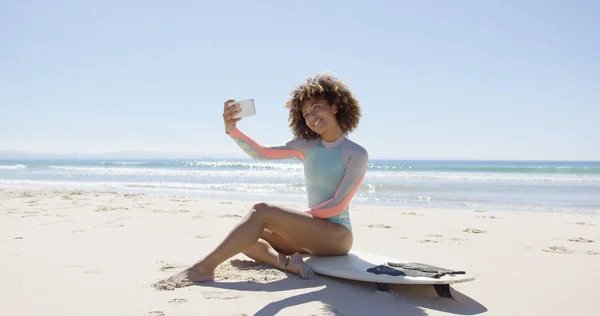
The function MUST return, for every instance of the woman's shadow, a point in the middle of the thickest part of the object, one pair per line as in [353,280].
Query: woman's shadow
[347,297]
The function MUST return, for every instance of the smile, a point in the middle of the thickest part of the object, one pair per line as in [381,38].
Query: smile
[317,122]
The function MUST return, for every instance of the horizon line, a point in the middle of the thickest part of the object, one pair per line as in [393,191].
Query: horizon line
[149,154]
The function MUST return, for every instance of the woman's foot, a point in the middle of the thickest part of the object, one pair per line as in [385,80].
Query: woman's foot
[187,277]
[295,264]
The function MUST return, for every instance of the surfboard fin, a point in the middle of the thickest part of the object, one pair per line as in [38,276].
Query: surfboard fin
[443,290]
[384,287]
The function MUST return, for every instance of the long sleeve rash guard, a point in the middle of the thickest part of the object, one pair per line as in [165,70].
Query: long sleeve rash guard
[333,170]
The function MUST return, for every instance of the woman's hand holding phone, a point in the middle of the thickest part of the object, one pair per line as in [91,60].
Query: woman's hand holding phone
[229,113]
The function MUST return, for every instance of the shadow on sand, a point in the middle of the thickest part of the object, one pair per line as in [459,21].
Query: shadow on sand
[347,297]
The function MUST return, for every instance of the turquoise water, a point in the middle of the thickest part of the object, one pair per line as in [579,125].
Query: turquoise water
[546,186]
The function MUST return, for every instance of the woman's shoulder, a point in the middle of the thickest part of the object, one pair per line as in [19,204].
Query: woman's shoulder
[355,153]
[355,149]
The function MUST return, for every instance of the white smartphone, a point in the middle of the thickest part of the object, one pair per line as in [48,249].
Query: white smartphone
[247,108]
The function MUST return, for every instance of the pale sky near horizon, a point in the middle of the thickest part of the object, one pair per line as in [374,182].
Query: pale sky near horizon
[436,79]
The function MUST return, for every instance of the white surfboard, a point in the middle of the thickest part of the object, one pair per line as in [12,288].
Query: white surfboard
[356,265]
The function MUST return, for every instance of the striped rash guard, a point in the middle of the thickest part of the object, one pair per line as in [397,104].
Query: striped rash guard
[333,171]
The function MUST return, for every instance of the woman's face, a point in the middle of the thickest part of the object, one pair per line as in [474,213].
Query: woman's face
[319,116]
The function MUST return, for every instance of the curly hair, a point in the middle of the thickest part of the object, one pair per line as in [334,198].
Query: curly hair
[326,87]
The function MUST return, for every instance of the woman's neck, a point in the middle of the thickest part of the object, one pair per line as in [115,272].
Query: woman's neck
[332,134]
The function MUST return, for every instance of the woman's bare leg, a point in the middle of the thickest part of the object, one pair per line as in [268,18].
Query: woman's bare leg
[278,243]
[273,250]
[310,234]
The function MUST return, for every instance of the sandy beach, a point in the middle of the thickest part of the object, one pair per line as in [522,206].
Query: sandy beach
[98,253]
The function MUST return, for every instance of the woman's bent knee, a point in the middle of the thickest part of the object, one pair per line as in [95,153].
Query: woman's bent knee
[260,206]
[261,210]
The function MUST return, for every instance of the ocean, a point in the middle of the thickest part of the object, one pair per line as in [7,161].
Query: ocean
[538,186]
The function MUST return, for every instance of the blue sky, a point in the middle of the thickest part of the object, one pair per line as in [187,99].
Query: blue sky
[436,79]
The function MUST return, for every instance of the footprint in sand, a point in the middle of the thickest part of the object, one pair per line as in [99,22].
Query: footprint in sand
[592,253]
[432,240]
[57,222]
[18,237]
[155,313]
[169,266]
[579,239]
[225,203]
[202,236]
[30,213]
[197,217]
[143,205]
[379,226]
[112,225]
[474,231]
[78,266]
[245,264]
[181,200]
[170,211]
[231,216]
[558,249]
[225,295]
[105,209]
[490,217]
[178,301]
[580,223]
[412,213]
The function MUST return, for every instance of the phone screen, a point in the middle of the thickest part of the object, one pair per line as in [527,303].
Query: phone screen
[246,108]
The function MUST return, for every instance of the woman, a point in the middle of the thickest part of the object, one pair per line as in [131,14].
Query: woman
[322,112]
